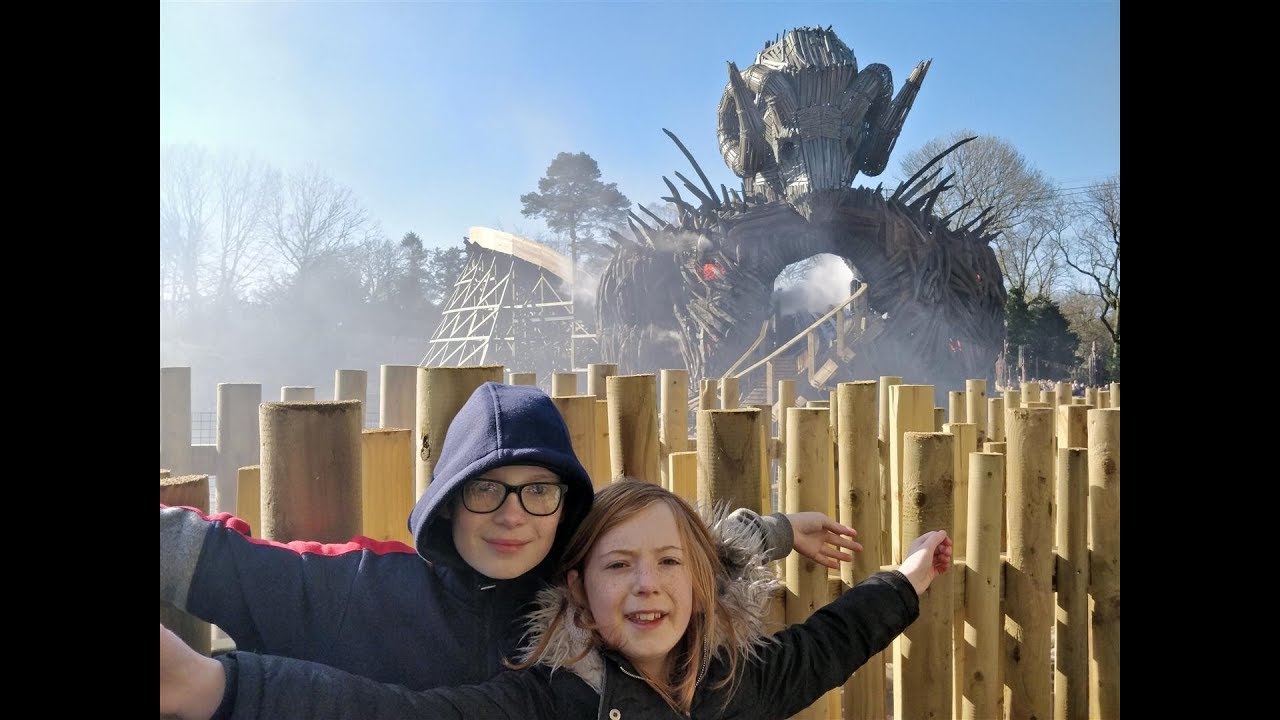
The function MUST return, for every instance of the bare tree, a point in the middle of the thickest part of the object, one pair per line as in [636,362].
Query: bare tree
[381,264]
[989,172]
[242,195]
[185,216]
[1031,253]
[310,216]
[1094,251]
[1082,310]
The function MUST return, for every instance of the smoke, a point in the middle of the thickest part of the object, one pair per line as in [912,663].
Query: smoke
[813,285]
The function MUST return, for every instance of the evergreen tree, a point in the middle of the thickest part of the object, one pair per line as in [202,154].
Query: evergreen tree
[572,200]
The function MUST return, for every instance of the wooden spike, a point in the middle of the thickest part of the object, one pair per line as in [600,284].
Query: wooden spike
[905,197]
[710,190]
[929,197]
[642,223]
[622,241]
[929,164]
[663,223]
[714,203]
[953,213]
[638,231]
[973,221]
[684,206]
[674,192]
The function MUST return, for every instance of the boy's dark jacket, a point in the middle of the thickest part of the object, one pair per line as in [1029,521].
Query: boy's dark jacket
[374,608]
[784,673]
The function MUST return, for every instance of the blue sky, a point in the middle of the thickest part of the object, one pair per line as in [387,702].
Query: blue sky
[440,115]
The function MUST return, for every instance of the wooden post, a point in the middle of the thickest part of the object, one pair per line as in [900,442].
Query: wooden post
[707,394]
[764,429]
[808,456]
[995,420]
[982,697]
[1001,449]
[352,385]
[238,444]
[684,474]
[311,459]
[964,434]
[1072,428]
[673,421]
[1104,399]
[596,377]
[442,391]
[1104,563]
[1029,580]
[564,384]
[175,420]
[910,410]
[886,466]
[297,393]
[1091,396]
[398,408]
[249,497]
[633,427]
[728,393]
[975,397]
[398,399]
[601,464]
[859,490]
[1062,393]
[769,383]
[1030,392]
[192,491]
[939,418]
[579,413]
[1013,401]
[523,378]
[786,399]
[957,406]
[922,679]
[1071,629]
[386,484]
[1114,396]
[729,459]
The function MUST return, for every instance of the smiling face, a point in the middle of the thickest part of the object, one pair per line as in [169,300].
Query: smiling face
[507,542]
[639,588]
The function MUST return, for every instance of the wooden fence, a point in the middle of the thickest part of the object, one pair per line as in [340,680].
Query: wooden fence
[1026,625]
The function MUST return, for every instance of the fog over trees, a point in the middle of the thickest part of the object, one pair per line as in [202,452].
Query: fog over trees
[282,276]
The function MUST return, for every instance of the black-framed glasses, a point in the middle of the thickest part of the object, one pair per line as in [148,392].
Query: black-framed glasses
[537,498]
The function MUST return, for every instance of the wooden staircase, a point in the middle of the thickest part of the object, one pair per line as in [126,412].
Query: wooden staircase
[814,357]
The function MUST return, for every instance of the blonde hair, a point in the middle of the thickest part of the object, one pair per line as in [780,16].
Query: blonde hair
[709,624]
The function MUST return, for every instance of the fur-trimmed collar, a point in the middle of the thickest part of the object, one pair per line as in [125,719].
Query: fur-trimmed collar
[745,590]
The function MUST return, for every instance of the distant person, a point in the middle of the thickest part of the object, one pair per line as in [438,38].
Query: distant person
[650,617]
[507,494]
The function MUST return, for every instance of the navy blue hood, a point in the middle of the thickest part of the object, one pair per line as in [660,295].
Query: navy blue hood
[500,425]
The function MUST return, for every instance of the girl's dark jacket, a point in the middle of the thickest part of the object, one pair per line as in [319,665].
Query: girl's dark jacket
[419,617]
[784,673]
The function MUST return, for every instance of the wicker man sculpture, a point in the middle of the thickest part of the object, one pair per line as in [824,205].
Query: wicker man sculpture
[798,126]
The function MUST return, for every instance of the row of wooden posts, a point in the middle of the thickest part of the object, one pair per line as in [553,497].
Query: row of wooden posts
[1025,626]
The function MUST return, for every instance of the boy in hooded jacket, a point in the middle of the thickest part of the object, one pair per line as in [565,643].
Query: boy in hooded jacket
[448,611]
